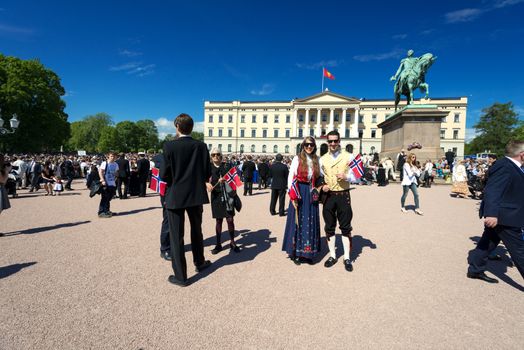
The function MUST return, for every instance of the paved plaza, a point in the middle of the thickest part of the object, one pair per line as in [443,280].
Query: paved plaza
[69,280]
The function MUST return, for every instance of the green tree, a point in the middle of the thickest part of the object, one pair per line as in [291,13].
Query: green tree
[197,135]
[32,92]
[86,133]
[147,134]
[128,133]
[497,127]
[109,140]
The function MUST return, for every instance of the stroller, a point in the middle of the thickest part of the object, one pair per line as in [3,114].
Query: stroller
[13,181]
[476,186]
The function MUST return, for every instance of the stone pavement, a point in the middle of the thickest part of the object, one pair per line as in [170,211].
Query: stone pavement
[69,280]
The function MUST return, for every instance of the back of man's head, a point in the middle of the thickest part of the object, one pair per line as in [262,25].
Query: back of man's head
[184,123]
[514,148]
[279,157]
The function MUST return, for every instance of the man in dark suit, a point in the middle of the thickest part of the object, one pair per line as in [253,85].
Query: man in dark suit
[279,173]
[187,171]
[165,245]
[69,172]
[450,158]
[263,173]
[35,171]
[248,169]
[124,172]
[143,173]
[502,208]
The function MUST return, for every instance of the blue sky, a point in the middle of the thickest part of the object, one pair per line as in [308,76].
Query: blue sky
[156,59]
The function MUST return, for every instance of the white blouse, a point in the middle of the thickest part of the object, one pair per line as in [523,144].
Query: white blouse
[410,174]
[293,170]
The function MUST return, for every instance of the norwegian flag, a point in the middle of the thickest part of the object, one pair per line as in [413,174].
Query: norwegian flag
[357,167]
[294,192]
[156,184]
[233,179]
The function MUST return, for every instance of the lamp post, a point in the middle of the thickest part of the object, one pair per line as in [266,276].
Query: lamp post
[14,125]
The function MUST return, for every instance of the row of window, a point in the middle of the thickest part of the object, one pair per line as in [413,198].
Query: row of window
[276,118]
[244,109]
[252,149]
[287,133]
[455,134]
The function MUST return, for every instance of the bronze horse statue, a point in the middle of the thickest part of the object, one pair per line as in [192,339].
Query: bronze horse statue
[413,78]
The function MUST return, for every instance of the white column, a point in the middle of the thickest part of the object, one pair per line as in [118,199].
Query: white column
[306,122]
[331,124]
[354,126]
[344,114]
[294,124]
[319,119]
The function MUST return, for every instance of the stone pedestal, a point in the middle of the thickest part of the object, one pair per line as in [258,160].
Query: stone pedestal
[413,123]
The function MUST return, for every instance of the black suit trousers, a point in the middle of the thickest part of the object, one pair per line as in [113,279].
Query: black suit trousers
[143,186]
[176,236]
[281,196]
[164,230]
[338,206]
[248,186]
[122,181]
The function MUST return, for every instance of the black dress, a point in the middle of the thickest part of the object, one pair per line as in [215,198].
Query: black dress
[220,208]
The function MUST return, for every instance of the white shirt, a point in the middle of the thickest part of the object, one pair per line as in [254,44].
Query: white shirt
[410,174]
[350,176]
[110,172]
[293,170]
[517,163]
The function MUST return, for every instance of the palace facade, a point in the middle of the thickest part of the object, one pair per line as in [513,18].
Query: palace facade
[270,127]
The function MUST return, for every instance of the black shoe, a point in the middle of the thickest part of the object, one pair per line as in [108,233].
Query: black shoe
[348,265]
[272,213]
[104,215]
[482,276]
[495,257]
[203,266]
[330,262]
[234,248]
[296,260]
[177,282]
[282,214]
[1,234]
[166,255]
[216,250]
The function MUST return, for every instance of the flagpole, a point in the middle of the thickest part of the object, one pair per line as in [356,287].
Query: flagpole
[322,80]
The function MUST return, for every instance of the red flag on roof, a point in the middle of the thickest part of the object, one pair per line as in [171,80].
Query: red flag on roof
[328,75]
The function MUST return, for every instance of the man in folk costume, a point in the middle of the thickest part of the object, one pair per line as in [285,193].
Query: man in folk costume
[334,167]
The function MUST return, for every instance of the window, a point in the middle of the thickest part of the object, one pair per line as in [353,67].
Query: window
[209,146]
[373,118]
[230,133]
[347,134]
[360,133]
[324,117]
[323,132]
[220,146]
[336,117]
[300,117]
[264,118]
[254,118]
[275,149]
[252,148]
[455,134]
[348,117]
[455,150]
[253,132]
[243,118]
[312,132]
[211,118]
[442,133]
[300,133]
[444,119]
[286,149]
[264,133]
[242,133]
[241,148]
[275,133]
[220,118]
[373,133]
[219,132]
[230,118]
[276,118]
[312,117]
[264,148]
[288,118]
[229,147]
[288,132]
[457,118]
[210,133]
[361,118]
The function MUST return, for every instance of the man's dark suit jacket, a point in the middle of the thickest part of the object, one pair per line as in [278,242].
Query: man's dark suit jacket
[503,194]
[263,169]
[279,172]
[123,168]
[143,168]
[248,169]
[450,156]
[186,171]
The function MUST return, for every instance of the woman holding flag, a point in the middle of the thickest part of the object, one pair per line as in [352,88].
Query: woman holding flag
[302,233]
[222,204]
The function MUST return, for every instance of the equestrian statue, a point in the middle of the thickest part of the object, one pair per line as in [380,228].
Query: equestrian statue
[410,75]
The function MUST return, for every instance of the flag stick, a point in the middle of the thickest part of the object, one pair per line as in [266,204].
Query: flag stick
[322,80]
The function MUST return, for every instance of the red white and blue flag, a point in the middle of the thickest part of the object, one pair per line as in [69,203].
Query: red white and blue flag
[156,184]
[357,167]
[294,192]
[233,179]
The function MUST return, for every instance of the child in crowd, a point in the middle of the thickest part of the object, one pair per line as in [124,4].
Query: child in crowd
[59,187]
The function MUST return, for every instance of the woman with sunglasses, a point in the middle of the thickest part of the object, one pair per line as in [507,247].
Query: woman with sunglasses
[221,206]
[302,233]
[410,173]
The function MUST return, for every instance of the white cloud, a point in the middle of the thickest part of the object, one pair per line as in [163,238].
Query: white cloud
[199,127]
[317,65]
[167,126]
[9,29]
[427,31]
[265,90]
[464,15]
[129,53]
[135,68]
[125,66]
[399,36]
[69,93]
[395,53]
[471,133]
[503,3]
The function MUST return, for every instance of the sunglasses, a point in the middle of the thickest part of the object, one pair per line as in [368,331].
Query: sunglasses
[216,155]
[309,145]
[333,141]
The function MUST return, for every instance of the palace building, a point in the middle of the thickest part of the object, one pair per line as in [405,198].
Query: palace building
[270,127]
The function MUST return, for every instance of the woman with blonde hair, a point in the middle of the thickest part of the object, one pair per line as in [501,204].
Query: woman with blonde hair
[302,233]
[410,173]
[460,180]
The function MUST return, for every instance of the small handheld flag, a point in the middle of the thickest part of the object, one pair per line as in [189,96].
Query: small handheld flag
[156,184]
[357,167]
[233,179]
[294,192]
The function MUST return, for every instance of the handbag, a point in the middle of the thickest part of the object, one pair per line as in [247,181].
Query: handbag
[96,187]
[315,195]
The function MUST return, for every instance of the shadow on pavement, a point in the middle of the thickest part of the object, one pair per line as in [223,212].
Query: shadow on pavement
[252,244]
[499,268]
[34,230]
[6,271]
[358,243]
[134,211]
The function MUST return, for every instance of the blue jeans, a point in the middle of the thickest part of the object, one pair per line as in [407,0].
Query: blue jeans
[405,190]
